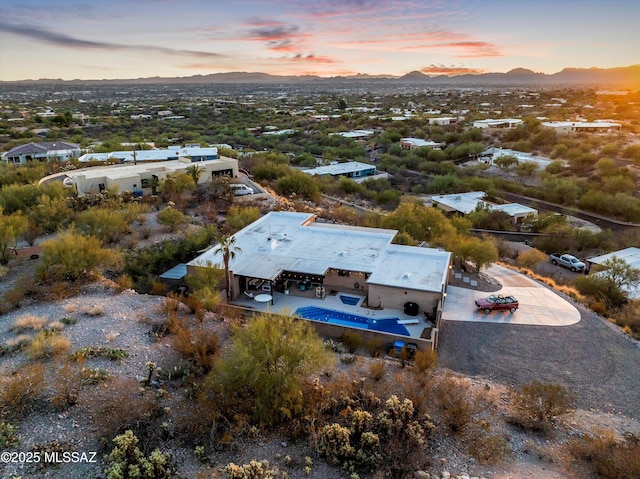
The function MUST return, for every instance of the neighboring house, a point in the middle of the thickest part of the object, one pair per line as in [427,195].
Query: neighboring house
[358,135]
[47,151]
[350,169]
[137,178]
[598,126]
[498,124]
[193,152]
[413,143]
[492,154]
[466,203]
[284,250]
[443,121]
[631,256]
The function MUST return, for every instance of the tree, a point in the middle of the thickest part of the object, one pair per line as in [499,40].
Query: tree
[194,171]
[506,161]
[239,217]
[267,361]
[11,228]
[531,258]
[228,249]
[621,273]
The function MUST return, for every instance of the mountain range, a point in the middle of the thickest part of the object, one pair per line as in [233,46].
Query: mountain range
[627,77]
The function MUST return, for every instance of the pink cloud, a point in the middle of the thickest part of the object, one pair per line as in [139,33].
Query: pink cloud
[451,70]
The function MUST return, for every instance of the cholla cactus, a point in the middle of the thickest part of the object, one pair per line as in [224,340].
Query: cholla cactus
[253,470]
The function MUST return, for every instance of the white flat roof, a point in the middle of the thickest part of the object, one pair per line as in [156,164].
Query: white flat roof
[581,124]
[462,202]
[355,133]
[340,168]
[285,241]
[630,255]
[417,142]
[130,170]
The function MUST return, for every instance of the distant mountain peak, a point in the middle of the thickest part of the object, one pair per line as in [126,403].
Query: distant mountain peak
[521,71]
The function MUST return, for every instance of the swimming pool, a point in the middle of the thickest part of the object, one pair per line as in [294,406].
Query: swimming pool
[349,300]
[384,325]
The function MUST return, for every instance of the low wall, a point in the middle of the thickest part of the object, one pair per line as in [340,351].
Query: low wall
[335,331]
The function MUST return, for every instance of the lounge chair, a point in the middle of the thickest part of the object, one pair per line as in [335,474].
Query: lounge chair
[249,295]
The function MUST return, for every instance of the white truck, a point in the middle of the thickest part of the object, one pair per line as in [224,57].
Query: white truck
[568,261]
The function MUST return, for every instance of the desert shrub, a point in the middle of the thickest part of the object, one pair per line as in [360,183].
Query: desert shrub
[29,322]
[119,404]
[457,403]
[238,217]
[71,256]
[598,307]
[425,360]
[608,457]
[531,258]
[266,363]
[377,370]
[91,376]
[92,310]
[67,381]
[69,320]
[106,224]
[46,345]
[351,340]
[8,437]
[20,392]
[172,218]
[375,347]
[195,342]
[124,281]
[537,404]
[253,470]
[127,461]
[488,448]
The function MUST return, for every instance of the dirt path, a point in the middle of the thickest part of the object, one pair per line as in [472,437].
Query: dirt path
[599,364]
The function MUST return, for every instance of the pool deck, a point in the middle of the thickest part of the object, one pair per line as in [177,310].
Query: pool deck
[287,304]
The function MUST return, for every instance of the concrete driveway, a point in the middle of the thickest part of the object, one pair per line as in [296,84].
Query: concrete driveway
[539,305]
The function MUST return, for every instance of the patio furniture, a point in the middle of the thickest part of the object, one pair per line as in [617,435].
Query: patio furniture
[248,294]
[408,321]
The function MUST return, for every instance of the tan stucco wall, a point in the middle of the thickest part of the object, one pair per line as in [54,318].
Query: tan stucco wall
[341,283]
[395,298]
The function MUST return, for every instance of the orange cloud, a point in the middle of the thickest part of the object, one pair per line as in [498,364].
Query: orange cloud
[449,71]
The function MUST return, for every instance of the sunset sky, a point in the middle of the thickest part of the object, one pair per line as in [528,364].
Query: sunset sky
[108,39]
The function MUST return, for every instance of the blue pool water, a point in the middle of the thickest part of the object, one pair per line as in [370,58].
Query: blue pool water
[350,300]
[385,325]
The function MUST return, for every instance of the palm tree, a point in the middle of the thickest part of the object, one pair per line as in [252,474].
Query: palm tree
[194,171]
[229,250]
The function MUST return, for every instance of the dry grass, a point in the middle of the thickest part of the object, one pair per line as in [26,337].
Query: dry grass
[70,308]
[55,326]
[93,310]
[29,322]
[19,392]
[19,342]
[48,345]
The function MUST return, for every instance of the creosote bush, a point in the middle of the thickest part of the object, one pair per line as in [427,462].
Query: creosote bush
[537,404]
[46,345]
[21,391]
[608,457]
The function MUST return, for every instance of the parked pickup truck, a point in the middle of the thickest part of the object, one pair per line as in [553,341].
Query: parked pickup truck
[568,261]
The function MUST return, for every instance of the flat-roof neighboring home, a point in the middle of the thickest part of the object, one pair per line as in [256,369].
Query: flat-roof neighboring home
[498,124]
[413,143]
[192,152]
[490,155]
[137,178]
[355,134]
[350,169]
[46,151]
[631,256]
[285,250]
[466,203]
[582,126]
[287,131]
[443,121]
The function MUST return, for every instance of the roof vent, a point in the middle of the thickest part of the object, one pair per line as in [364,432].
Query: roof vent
[342,253]
[406,276]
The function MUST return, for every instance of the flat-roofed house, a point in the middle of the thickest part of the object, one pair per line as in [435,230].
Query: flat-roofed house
[413,143]
[350,169]
[599,126]
[498,124]
[283,250]
[466,203]
[137,178]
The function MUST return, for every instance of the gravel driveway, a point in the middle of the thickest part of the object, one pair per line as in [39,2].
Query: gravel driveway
[595,360]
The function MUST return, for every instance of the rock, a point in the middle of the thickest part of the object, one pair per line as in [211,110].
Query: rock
[446,475]
[421,475]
